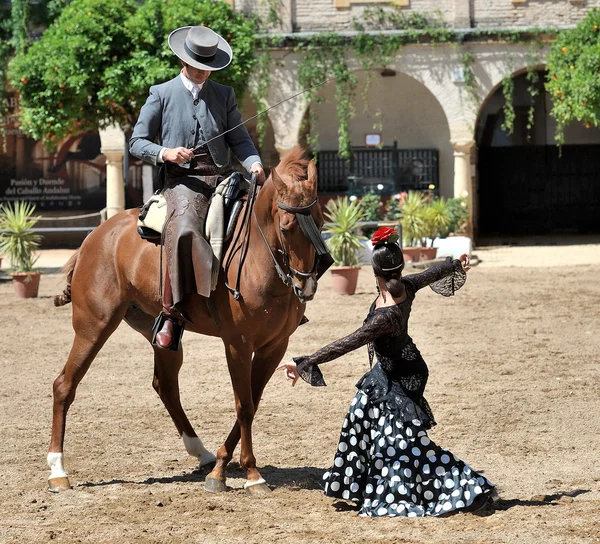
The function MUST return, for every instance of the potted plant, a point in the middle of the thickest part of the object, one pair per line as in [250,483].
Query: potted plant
[436,220]
[372,208]
[344,242]
[410,212]
[18,242]
[458,209]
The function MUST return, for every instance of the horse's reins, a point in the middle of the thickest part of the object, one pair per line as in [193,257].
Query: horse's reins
[245,242]
[307,224]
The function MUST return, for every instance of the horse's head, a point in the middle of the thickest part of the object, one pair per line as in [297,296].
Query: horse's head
[298,222]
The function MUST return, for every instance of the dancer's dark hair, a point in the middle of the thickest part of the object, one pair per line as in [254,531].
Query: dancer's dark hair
[388,263]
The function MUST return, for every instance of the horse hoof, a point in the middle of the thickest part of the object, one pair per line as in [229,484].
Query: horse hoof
[255,489]
[56,485]
[214,485]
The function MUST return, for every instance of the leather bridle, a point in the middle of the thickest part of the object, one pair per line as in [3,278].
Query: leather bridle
[323,259]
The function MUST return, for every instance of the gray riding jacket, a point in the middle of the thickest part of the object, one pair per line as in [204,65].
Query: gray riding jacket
[173,118]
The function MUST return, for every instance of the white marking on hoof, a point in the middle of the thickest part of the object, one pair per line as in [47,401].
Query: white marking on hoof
[195,448]
[256,482]
[55,462]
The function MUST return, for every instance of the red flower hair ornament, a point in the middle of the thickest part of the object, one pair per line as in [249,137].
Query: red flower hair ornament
[385,235]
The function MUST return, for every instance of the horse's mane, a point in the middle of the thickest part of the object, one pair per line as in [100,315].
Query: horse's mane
[293,164]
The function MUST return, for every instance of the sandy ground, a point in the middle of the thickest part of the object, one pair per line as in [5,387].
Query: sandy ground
[514,364]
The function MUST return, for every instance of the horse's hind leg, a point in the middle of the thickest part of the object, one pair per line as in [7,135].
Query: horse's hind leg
[165,382]
[90,335]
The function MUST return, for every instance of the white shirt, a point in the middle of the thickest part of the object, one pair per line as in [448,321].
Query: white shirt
[195,89]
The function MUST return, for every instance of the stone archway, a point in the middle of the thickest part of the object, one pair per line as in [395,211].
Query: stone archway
[525,186]
[400,108]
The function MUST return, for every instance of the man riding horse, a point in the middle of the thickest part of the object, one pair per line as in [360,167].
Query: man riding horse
[184,115]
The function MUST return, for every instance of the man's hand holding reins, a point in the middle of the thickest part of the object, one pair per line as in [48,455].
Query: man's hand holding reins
[257,168]
[179,155]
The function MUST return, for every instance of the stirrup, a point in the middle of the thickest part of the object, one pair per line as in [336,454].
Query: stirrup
[178,328]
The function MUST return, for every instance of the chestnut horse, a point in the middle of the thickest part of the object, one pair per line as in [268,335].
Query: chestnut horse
[115,276]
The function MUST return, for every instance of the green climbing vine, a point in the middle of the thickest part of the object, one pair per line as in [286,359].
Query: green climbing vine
[533,78]
[324,56]
[468,60]
[508,90]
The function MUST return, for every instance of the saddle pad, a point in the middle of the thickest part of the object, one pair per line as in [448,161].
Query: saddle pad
[153,213]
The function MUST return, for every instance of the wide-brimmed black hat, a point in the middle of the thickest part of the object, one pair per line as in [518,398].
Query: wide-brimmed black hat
[200,47]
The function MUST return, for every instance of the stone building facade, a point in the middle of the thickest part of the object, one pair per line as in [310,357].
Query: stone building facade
[427,104]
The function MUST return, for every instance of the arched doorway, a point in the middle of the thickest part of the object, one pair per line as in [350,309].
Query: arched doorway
[415,149]
[526,185]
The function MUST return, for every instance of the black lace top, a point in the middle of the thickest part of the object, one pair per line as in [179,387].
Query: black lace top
[400,374]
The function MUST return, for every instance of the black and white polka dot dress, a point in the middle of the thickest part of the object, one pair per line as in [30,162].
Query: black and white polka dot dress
[385,461]
[392,468]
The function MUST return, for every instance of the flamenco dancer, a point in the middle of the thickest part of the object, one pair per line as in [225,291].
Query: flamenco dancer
[385,462]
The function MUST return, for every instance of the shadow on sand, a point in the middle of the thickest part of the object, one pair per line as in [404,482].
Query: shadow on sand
[294,478]
[538,500]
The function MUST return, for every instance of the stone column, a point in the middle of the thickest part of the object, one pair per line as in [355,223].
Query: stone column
[286,121]
[463,183]
[287,14]
[147,181]
[462,14]
[115,191]
[462,167]
[113,148]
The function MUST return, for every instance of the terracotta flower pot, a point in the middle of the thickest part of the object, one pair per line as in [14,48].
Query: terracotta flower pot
[428,253]
[411,254]
[26,284]
[417,254]
[345,279]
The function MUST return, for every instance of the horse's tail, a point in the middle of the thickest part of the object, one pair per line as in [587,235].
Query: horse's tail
[65,297]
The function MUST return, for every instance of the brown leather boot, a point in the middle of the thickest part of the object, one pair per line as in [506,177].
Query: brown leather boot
[164,337]
[168,327]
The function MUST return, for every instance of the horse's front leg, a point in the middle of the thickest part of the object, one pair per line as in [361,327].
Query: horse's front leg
[263,365]
[239,362]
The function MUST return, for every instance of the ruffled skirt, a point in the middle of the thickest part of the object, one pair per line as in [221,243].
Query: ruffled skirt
[391,467]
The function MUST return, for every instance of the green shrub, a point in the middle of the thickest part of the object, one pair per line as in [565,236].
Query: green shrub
[17,239]
[344,244]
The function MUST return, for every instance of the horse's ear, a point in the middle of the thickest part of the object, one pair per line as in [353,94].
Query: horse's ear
[312,175]
[277,181]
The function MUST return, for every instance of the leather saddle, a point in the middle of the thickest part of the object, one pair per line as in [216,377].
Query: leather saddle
[225,206]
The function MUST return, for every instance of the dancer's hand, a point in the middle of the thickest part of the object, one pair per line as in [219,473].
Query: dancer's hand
[465,260]
[290,371]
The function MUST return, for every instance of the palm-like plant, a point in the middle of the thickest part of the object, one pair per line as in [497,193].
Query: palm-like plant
[17,239]
[437,218]
[344,244]
[411,218]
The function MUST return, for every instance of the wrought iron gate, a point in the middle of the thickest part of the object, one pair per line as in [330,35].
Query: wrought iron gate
[396,169]
[533,190]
